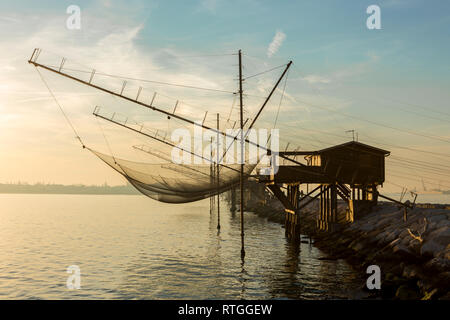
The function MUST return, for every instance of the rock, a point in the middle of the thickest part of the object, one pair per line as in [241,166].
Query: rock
[403,252]
[446,253]
[425,286]
[444,279]
[436,217]
[438,264]
[358,246]
[391,236]
[445,296]
[412,272]
[405,292]
[395,269]
[415,246]
[404,233]
[381,236]
[404,241]
[435,242]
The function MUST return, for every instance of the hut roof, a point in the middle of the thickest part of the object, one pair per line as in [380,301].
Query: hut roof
[356,146]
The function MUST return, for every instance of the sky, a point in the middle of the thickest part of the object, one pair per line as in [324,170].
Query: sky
[389,85]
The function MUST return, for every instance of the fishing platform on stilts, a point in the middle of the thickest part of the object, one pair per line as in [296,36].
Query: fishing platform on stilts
[350,171]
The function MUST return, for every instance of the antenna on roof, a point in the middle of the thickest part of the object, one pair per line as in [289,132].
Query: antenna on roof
[353,134]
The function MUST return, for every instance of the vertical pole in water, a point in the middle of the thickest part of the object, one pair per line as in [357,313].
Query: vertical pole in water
[211,180]
[241,184]
[233,200]
[217,168]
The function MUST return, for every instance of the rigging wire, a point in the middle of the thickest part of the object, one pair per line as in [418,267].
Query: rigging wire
[377,123]
[232,107]
[416,169]
[425,163]
[77,136]
[263,72]
[398,129]
[281,99]
[424,166]
[419,114]
[416,106]
[146,80]
[106,140]
[419,181]
[409,148]
[206,55]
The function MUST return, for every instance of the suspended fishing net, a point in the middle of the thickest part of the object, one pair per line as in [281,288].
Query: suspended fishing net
[175,183]
[162,179]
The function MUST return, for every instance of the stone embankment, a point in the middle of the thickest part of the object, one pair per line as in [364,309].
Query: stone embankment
[413,255]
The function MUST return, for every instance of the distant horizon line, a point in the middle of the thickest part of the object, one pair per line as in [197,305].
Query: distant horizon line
[52,188]
[20,183]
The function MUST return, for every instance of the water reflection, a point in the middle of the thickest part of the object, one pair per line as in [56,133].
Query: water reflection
[133,248]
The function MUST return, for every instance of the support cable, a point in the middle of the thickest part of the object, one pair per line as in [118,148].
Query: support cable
[149,81]
[263,72]
[106,140]
[281,99]
[60,108]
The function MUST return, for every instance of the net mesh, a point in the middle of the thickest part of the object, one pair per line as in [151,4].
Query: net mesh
[175,183]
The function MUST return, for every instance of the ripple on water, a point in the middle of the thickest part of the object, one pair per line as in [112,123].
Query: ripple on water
[131,247]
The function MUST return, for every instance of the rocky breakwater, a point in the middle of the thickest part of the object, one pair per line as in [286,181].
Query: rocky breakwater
[413,255]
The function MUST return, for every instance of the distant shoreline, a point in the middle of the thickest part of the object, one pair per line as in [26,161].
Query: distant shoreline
[66,189]
[76,193]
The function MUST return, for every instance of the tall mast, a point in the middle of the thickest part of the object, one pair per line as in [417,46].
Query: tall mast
[241,182]
[261,108]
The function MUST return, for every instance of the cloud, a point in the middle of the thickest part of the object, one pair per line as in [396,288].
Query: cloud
[10,19]
[276,43]
[343,74]
[313,79]
[209,6]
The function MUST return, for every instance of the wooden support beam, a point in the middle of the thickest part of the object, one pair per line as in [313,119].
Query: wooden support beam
[322,189]
[309,193]
[281,196]
[396,201]
[334,203]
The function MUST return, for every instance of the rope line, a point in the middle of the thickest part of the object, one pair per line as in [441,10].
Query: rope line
[263,72]
[150,81]
[377,123]
[60,108]
[106,140]
[281,99]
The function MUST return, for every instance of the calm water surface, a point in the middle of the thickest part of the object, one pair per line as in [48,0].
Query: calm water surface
[131,247]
